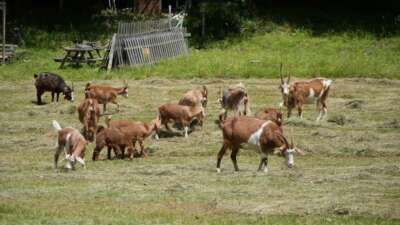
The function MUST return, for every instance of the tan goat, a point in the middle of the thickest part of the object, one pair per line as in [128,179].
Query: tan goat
[262,135]
[89,114]
[270,114]
[136,131]
[115,140]
[181,114]
[195,97]
[105,94]
[73,143]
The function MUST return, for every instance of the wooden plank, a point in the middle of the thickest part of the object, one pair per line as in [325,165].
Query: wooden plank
[4,9]
[111,55]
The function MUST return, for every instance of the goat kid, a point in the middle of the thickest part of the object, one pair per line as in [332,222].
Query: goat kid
[89,114]
[233,99]
[181,114]
[73,143]
[105,94]
[195,97]
[262,135]
[136,131]
[53,83]
[114,139]
[270,114]
[301,92]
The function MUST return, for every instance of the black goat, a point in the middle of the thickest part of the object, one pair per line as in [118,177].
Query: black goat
[46,81]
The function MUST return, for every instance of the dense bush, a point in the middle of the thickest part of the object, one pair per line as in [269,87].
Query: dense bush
[222,18]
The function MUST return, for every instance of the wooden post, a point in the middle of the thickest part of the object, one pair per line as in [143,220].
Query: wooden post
[203,24]
[111,53]
[61,5]
[3,7]
[170,15]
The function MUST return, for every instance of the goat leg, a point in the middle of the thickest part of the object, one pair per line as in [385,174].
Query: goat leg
[109,152]
[142,151]
[57,155]
[221,154]
[263,163]
[233,158]
[39,97]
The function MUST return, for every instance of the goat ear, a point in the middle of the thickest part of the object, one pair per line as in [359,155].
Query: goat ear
[205,89]
[35,75]
[301,152]
[88,85]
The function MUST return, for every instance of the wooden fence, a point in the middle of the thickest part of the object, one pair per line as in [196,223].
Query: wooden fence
[146,43]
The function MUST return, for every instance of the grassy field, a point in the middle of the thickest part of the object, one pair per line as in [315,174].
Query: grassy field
[350,174]
[343,54]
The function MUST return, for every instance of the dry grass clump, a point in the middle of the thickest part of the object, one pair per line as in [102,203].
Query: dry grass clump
[350,174]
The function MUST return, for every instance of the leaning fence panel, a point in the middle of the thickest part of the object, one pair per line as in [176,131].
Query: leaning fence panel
[151,48]
[148,42]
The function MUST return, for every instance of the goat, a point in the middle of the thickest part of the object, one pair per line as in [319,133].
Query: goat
[270,114]
[113,139]
[260,134]
[233,98]
[136,130]
[181,114]
[46,81]
[72,142]
[195,97]
[104,94]
[301,92]
[89,113]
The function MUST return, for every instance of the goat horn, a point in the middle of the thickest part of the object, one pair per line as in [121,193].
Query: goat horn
[288,80]
[280,72]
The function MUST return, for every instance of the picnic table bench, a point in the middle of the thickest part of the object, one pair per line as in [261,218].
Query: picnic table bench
[10,52]
[81,53]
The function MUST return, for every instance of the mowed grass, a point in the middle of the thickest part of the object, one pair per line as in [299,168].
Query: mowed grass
[350,174]
[303,54]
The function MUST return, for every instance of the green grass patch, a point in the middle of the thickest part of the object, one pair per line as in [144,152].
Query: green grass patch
[257,56]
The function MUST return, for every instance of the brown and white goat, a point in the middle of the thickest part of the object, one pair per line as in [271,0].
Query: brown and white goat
[181,114]
[233,98]
[73,143]
[301,92]
[195,97]
[262,135]
[105,94]
[114,139]
[270,114]
[89,113]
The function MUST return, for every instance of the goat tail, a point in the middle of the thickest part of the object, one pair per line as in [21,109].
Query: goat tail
[221,120]
[108,119]
[56,125]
